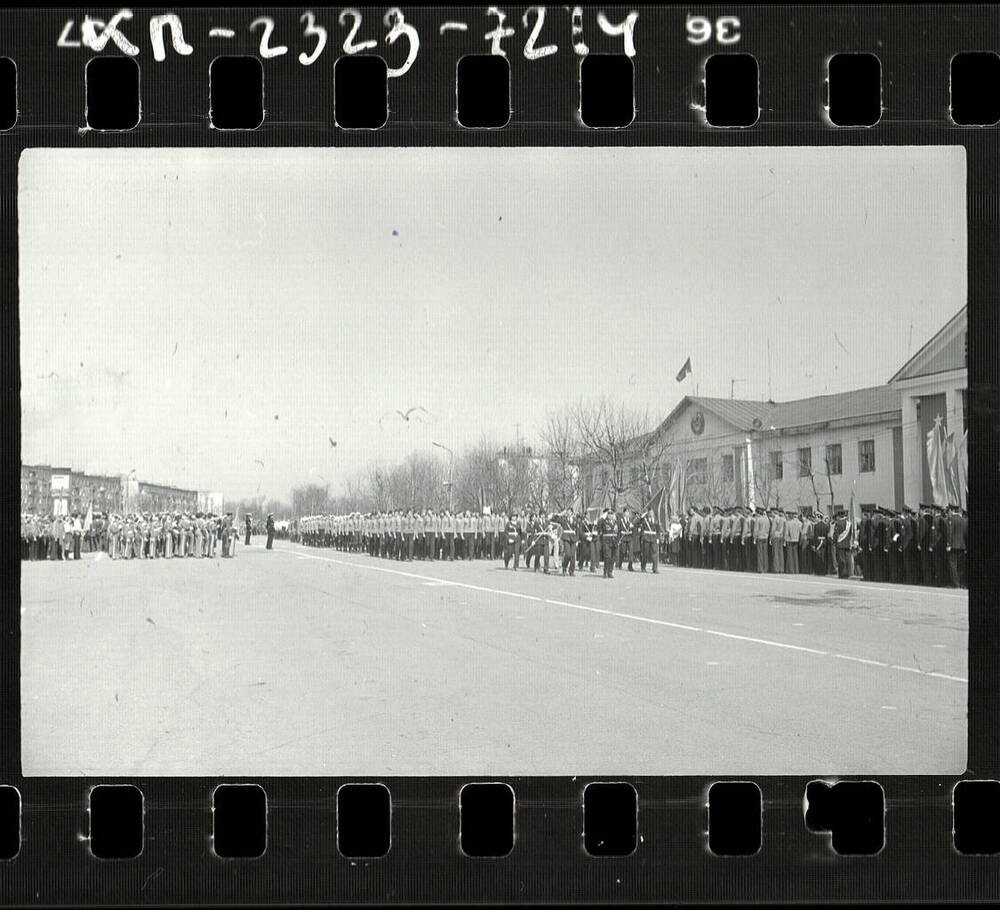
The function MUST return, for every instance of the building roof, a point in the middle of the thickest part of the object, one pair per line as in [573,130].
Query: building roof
[943,352]
[783,415]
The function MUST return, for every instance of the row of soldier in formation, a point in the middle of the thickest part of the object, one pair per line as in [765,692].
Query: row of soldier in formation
[571,540]
[138,535]
[925,546]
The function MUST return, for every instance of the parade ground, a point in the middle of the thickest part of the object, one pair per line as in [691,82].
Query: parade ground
[301,661]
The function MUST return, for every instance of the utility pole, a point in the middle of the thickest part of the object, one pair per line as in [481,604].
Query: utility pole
[732,385]
[769,398]
[451,465]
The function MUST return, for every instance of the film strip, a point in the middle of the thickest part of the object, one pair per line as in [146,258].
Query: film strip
[516,101]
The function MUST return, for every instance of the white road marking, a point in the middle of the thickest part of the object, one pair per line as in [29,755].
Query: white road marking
[798,624]
[888,707]
[835,582]
[767,642]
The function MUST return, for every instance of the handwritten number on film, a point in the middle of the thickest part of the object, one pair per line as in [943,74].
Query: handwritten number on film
[96,34]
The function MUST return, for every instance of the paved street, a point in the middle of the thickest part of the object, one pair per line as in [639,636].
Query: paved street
[305,661]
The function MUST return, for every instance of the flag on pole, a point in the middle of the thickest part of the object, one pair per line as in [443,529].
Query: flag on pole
[674,496]
[935,463]
[89,520]
[962,464]
[684,370]
[951,469]
[855,516]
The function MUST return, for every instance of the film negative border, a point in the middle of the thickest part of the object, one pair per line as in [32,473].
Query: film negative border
[672,861]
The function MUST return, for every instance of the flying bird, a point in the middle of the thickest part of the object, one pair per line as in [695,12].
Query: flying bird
[406,414]
[333,442]
[261,463]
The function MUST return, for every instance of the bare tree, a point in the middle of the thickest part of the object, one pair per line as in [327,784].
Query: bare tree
[625,445]
[611,436]
[720,486]
[310,499]
[379,488]
[560,467]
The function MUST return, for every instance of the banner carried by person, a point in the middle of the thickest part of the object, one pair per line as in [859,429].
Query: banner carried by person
[657,505]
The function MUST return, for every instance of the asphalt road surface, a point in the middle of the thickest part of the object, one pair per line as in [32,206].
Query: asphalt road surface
[301,661]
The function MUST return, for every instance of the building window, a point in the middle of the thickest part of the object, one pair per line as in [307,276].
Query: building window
[805,462]
[698,470]
[866,456]
[728,472]
[777,466]
[834,459]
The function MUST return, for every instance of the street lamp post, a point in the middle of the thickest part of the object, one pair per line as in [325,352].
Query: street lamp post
[451,465]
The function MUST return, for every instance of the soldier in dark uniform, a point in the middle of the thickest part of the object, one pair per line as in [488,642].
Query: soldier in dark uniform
[693,532]
[911,556]
[878,561]
[883,543]
[649,529]
[897,569]
[511,543]
[842,544]
[625,537]
[821,532]
[270,530]
[904,544]
[582,527]
[927,543]
[249,527]
[958,528]
[569,541]
[941,570]
[609,530]
[864,557]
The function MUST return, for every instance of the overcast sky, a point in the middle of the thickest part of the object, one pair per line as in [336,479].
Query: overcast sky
[212,318]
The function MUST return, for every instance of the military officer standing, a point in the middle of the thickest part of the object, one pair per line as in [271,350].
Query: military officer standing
[635,541]
[821,534]
[842,529]
[805,544]
[569,542]
[649,530]
[609,530]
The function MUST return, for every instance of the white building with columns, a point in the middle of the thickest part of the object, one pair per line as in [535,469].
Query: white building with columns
[933,382]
